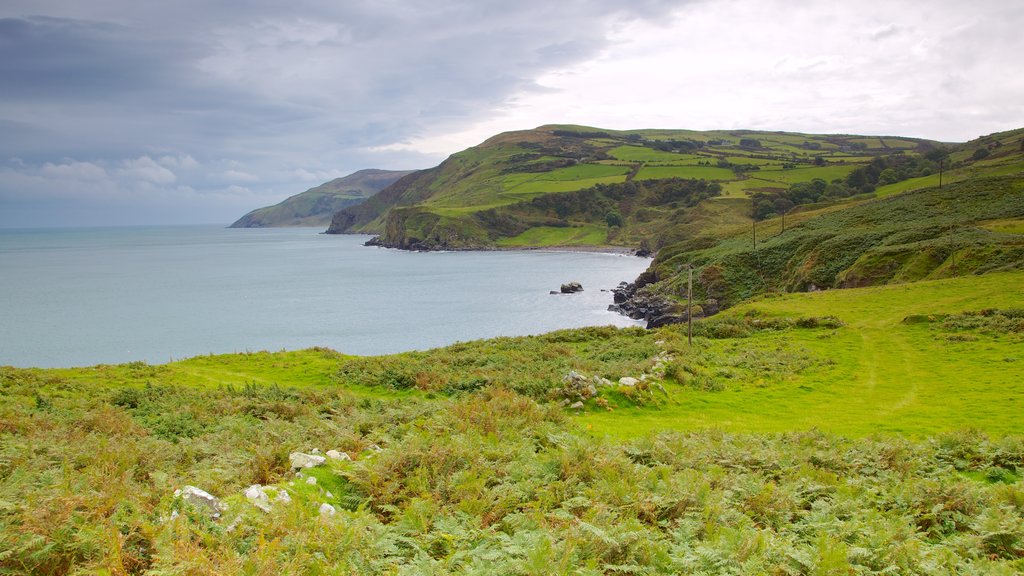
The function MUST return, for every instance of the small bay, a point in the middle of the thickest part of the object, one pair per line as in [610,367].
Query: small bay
[71,297]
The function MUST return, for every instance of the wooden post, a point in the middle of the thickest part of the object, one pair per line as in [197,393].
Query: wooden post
[952,251]
[941,162]
[754,227]
[689,306]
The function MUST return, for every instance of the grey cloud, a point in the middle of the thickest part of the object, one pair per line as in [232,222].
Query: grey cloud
[264,90]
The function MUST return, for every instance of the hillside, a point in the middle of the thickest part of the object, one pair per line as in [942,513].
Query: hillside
[573,185]
[861,431]
[901,232]
[315,206]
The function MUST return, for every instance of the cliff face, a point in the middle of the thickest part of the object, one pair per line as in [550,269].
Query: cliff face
[316,206]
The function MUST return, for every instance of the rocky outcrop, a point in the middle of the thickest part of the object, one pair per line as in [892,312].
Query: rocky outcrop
[571,288]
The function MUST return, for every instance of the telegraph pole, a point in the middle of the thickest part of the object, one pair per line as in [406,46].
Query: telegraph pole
[689,305]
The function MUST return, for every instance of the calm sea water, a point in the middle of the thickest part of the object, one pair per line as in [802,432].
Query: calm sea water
[71,297]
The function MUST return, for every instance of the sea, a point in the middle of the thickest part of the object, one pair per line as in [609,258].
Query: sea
[86,296]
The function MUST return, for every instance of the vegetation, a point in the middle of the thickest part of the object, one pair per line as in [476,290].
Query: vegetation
[871,430]
[90,457]
[441,208]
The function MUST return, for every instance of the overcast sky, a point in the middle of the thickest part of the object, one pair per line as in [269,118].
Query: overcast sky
[119,112]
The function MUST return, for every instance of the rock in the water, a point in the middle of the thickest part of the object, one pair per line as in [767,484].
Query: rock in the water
[572,288]
[300,460]
[335,455]
[327,510]
[202,500]
[628,381]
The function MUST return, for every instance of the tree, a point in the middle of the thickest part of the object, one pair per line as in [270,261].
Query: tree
[980,154]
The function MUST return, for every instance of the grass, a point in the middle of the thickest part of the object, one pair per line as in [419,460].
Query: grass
[876,374]
[588,235]
[1005,226]
[699,172]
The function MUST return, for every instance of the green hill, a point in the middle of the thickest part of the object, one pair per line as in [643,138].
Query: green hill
[315,206]
[901,232]
[571,185]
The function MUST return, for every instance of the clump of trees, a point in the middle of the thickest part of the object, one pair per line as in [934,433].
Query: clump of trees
[880,171]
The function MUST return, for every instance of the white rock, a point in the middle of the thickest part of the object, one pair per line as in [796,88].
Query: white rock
[311,481]
[335,455]
[628,381]
[300,460]
[643,377]
[283,496]
[201,499]
[327,510]
[258,497]
[376,448]
[577,406]
[329,495]
[314,451]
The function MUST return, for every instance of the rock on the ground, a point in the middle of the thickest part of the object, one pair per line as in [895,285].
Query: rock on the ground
[300,460]
[256,495]
[202,500]
[327,510]
[628,381]
[311,480]
[335,455]
[576,406]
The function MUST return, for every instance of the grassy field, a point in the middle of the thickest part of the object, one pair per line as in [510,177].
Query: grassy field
[554,236]
[866,431]
[699,172]
[875,374]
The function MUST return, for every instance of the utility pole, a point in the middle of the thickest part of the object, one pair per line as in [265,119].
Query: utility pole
[941,162]
[754,227]
[689,305]
[952,251]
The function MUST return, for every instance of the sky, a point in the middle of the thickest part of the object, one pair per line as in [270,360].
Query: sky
[121,112]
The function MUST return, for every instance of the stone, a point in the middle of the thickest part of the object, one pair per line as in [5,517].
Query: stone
[375,448]
[311,481]
[327,510]
[571,288]
[628,381]
[329,495]
[300,460]
[335,455]
[202,500]
[257,496]
[284,496]
[576,406]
